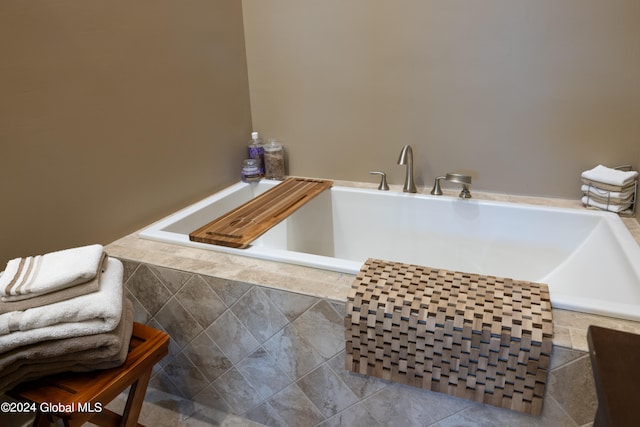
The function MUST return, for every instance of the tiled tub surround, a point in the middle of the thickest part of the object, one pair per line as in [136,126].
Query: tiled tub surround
[180,288]
[277,358]
[342,227]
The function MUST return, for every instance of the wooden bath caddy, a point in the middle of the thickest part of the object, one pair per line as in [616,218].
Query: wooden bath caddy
[241,226]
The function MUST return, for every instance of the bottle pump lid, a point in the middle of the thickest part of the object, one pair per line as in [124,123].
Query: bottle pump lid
[254,135]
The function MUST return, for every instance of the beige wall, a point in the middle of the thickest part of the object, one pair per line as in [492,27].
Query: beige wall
[113,114]
[523,95]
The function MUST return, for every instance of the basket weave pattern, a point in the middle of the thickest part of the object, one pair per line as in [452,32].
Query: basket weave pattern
[482,338]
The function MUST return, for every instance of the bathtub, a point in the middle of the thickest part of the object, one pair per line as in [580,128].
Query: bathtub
[589,260]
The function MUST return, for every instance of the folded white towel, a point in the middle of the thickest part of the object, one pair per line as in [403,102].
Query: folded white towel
[611,207]
[592,189]
[93,313]
[84,353]
[50,298]
[71,348]
[608,201]
[41,274]
[610,176]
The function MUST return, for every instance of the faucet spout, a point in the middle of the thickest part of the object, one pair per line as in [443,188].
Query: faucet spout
[406,158]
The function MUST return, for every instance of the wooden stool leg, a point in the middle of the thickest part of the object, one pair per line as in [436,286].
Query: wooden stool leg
[42,420]
[146,348]
[134,401]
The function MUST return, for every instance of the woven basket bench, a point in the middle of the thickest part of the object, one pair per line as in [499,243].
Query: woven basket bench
[482,338]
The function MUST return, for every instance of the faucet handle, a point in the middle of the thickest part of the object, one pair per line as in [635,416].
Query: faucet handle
[383,180]
[437,190]
[465,193]
[465,180]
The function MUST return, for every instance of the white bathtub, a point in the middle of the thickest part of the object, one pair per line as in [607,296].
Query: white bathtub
[589,259]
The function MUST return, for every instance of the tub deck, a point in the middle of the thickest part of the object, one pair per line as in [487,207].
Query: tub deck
[570,327]
[587,258]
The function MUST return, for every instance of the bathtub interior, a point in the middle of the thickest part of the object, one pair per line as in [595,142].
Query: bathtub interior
[576,252]
[205,211]
[444,233]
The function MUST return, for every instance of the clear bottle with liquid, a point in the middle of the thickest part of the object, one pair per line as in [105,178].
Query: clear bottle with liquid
[256,151]
[274,160]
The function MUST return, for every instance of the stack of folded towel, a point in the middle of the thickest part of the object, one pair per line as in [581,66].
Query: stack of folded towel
[62,311]
[609,189]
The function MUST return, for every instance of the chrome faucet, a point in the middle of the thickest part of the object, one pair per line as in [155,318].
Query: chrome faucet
[383,180]
[465,180]
[406,158]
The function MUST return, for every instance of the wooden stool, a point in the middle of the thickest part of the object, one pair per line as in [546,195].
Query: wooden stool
[92,391]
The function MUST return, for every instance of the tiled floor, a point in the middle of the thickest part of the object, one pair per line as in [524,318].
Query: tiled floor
[569,401]
[573,404]
[159,410]
[165,410]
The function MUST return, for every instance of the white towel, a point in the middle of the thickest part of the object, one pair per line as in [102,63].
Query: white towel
[84,353]
[109,343]
[41,274]
[611,207]
[93,313]
[610,176]
[608,201]
[50,298]
[596,191]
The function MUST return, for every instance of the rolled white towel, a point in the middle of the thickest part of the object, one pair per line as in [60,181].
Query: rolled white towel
[41,274]
[592,189]
[611,207]
[610,176]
